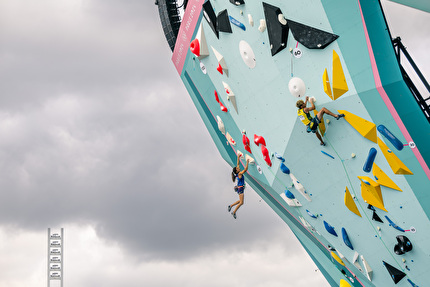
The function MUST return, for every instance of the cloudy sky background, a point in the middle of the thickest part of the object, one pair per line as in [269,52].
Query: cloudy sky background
[98,135]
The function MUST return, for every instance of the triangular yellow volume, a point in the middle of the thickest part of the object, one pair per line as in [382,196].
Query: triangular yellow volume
[371,192]
[321,125]
[365,128]
[349,202]
[382,178]
[395,163]
[340,86]
[326,84]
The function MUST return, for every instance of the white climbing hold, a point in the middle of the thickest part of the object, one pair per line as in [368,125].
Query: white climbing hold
[250,20]
[251,160]
[247,54]
[281,19]
[353,155]
[239,154]
[221,61]
[220,125]
[297,87]
[262,26]
[230,139]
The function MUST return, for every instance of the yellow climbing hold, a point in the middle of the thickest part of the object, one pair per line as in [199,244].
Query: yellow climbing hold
[344,283]
[382,178]
[365,128]
[321,124]
[371,192]
[349,202]
[326,84]
[337,258]
[340,86]
[395,163]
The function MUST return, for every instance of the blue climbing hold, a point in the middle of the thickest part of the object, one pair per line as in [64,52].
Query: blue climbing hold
[329,228]
[394,225]
[237,23]
[389,136]
[311,214]
[346,239]
[327,154]
[412,283]
[278,156]
[284,168]
[370,159]
[289,194]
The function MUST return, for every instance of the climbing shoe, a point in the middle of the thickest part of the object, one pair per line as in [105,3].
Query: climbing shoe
[234,215]
[229,208]
[340,116]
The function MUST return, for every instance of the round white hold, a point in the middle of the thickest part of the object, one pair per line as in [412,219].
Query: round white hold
[353,155]
[297,87]
[297,53]
[247,54]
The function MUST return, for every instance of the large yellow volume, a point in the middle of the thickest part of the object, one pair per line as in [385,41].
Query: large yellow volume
[371,192]
[365,128]
[349,202]
[344,283]
[339,82]
[395,163]
[382,178]
[337,258]
[326,84]
[321,125]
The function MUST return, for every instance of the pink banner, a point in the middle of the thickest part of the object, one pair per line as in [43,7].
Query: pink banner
[186,31]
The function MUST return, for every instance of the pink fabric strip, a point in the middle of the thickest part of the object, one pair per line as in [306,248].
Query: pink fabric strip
[387,100]
[185,33]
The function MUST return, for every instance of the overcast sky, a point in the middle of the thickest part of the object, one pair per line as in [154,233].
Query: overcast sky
[98,135]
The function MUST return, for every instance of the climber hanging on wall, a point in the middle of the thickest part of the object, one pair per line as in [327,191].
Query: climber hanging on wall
[310,122]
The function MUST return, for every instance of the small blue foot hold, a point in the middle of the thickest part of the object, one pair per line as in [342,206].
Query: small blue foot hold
[327,154]
[346,239]
[278,156]
[311,214]
[284,168]
[394,225]
[289,194]
[237,23]
[329,228]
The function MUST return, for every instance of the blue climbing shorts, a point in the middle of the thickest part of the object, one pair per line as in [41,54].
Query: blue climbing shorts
[313,125]
[239,189]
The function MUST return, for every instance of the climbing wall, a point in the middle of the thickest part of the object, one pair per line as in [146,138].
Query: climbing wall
[353,203]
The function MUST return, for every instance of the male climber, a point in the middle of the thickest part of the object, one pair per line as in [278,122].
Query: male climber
[312,123]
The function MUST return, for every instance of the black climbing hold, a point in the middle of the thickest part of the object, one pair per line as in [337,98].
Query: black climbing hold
[208,12]
[278,33]
[376,217]
[223,23]
[395,273]
[237,2]
[370,207]
[311,38]
[403,245]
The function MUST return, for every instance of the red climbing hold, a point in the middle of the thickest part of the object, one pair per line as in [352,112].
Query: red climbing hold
[248,149]
[223,108]
[219,69]
[259,140]
[195,47]
[266,155]
[246,143]
[216,96]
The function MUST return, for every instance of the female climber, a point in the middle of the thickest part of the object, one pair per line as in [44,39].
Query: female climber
[312,123]
[240,186]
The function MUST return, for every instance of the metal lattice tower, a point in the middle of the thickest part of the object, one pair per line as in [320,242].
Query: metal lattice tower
[55,257]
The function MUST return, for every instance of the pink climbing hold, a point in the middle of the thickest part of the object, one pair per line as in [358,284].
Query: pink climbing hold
[219,69]
[259,140]
[266,155]
[195,47]
[216,96]
[223,108]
